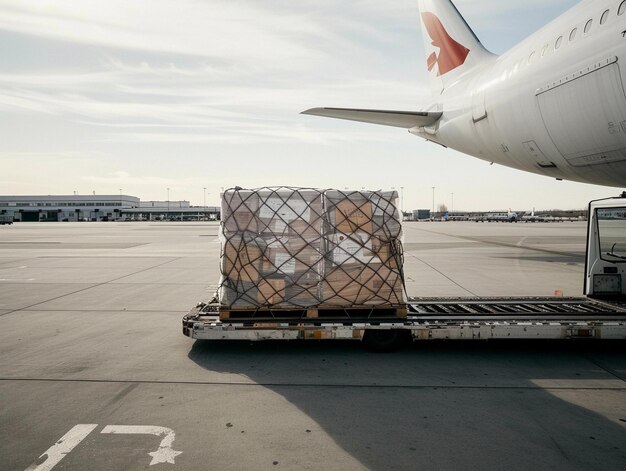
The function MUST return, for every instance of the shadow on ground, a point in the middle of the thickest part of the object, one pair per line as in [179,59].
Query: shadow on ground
[443,405]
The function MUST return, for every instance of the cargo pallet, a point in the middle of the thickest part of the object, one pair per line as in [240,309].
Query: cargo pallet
[430,319]
[301,313]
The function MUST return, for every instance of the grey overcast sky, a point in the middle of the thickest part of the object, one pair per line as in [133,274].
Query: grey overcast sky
[144,95]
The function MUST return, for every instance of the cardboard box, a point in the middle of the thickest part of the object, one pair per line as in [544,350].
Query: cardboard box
[388,285]
[292,257]
[241,259]
[351,249]
[239,209]
[386,217]
[373,285]
[271,292]
[294,212]
[353,215]
[388,253]
[349,211]
[304,291]
[237,294]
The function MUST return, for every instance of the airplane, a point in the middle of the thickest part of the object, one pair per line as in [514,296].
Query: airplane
[553,105]
[509,216]
[532,217]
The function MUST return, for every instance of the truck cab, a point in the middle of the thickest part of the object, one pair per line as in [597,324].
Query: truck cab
[605,265]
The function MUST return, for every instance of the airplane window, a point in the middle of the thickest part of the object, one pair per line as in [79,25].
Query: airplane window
[622,8]
[572,35]
[531,57]
[604,17]
[559,41]
[589,23]
[543,51]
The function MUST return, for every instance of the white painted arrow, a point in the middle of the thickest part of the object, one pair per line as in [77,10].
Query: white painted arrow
[165,453]
[62,447]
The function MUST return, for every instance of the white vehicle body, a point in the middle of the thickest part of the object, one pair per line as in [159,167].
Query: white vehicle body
[553,105]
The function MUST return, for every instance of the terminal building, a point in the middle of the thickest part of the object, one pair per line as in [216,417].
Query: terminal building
[171,211]
[73,208]
[67,208]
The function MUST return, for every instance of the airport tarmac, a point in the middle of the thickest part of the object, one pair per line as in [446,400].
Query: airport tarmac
[96,374]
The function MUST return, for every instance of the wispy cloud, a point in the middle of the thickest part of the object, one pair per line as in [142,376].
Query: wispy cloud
[227,71]
[211,108]
[206,29]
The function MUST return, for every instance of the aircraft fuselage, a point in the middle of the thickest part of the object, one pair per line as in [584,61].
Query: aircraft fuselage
[554,104]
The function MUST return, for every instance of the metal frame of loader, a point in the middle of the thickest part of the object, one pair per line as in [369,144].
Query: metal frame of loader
[431,319]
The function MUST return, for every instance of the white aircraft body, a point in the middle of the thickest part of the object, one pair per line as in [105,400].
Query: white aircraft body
[532,217]
[553,105]
[509,216]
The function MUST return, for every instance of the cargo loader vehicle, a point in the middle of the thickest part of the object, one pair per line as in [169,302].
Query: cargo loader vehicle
[600,313]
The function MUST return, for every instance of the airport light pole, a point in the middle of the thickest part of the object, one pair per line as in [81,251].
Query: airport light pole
[402,201]
[168,202]
[452,205]
[204,216]
[433,215]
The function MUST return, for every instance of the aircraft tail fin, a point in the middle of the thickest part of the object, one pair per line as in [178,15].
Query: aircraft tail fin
[451,46]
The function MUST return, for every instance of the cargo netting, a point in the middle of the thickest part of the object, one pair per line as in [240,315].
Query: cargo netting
[288,247]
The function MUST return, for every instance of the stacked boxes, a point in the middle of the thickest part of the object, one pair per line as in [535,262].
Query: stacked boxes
[363,241]
[297,248]
[271,248]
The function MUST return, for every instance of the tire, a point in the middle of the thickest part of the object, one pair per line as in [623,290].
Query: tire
[381,341]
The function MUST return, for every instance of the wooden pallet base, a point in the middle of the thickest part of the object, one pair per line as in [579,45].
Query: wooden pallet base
[318,312]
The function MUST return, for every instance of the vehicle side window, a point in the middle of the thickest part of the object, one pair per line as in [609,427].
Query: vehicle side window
[611,225]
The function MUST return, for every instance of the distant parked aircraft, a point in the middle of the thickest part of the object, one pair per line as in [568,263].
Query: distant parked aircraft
[532,217]
[509,216]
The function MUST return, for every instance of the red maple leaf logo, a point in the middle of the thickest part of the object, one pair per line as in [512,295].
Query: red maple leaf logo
[451,53]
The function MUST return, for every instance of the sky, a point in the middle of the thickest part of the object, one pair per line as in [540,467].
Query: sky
[141,96]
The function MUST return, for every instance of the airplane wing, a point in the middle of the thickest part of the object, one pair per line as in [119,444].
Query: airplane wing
[399,119]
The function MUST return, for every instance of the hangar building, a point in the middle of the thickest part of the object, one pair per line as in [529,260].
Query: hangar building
[101,208]
[67,208]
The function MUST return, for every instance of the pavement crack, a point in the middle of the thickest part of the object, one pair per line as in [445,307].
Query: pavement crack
[323,385]
[441,273]
[89,287]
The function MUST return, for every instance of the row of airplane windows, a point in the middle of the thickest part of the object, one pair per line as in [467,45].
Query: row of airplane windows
[574,32]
